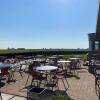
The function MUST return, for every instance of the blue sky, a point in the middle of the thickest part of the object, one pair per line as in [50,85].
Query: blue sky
[47,23]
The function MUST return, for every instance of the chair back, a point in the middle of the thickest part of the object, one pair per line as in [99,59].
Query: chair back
[97,71]
[35,74]
[52,82]
[5,71]
[30,68]
[73,65]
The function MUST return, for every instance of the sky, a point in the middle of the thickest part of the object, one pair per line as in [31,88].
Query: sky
[36,24]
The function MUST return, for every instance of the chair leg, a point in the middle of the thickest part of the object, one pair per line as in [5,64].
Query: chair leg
[32,81]
[27,80]
[20,74]
[0,96]
[96,83]
[9,78]
[67,83]
[57,85]
[64,84]
[0,81]
[40,82]
[52,88]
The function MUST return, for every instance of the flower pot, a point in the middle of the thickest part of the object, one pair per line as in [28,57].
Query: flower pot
[35,93]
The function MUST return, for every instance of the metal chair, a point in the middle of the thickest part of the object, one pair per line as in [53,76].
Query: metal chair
[58,75]
[5,72]
[62,76]
[37,77]
[0,87]
[0,95]
[73,68]
[51,83]
[97,80]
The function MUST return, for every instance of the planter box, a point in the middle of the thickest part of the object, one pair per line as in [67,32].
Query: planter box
[35,93]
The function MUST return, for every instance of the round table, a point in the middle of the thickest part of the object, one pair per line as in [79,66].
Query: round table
[46,68]
[74,58]
[6,65]
[64,61]
[52,57]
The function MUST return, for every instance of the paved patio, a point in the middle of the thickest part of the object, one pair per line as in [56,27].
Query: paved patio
[12,97]
[81,88]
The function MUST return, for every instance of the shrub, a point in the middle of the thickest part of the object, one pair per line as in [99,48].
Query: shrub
[61,98]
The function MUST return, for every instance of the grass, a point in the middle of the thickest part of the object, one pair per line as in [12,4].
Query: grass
[61,98]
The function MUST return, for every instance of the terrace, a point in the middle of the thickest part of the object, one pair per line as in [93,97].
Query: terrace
[80,86]
[49,24]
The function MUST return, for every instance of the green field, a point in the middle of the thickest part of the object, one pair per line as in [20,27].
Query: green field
[45,51]
[48,52]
